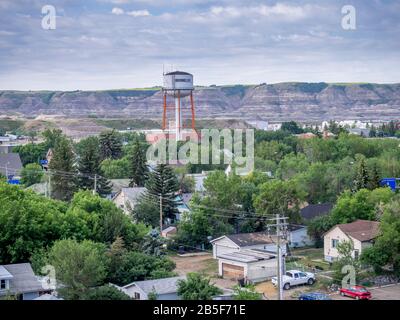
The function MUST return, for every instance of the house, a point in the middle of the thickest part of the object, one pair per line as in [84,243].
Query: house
[165,289]
[315,210]
[183,206]
[253,265]
[127,198]
[242,241]
[297,236]
[10,165]
[360,232]
[199,180]
[19,279]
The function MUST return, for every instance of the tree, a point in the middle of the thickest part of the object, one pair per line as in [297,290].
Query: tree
[110,145]
[32,173]
[153,244]
[104,221]
[279,197]
[52,137]
[195,229]
[105,292]
[345,258]
[386,250]
[374,181]
[317,227]
[360,205]
[138,169]
[147,211]
[246,293]
[361,179]
[137,266]
[116,169]
[197,287]
[163,183]
[78,265]
[291,127]
[89,168]
[63,172]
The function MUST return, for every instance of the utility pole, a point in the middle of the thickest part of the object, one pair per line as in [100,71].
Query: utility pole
[279,226]
[49,184]
[161,215]
[95,184]
[279,256]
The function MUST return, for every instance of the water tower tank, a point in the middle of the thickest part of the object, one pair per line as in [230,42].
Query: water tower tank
[178,82]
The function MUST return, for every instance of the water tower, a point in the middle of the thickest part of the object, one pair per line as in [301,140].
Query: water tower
[179,85]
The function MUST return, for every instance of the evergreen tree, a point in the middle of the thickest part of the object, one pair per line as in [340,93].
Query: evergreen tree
[375,179]
[361,180]
[372,132]
[110,145]
[62,170]
[138,166]
[89,168]
[163,183]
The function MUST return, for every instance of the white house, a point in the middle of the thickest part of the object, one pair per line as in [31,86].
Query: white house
[127,198]
[165,289]
[242,241]
[20,281]
[360,232]
[298,237]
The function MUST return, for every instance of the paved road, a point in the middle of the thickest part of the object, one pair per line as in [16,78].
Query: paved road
[382,293]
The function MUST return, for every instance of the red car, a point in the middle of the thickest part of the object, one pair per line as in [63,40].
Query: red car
[357,292]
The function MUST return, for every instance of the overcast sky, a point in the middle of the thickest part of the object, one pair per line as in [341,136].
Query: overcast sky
[106,44]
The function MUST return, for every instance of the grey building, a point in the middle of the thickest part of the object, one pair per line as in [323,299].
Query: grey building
[10,164]
[165,289]
[20,281]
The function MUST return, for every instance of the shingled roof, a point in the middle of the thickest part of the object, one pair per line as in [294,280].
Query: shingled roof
[316,210]
[362,230]
[249,239]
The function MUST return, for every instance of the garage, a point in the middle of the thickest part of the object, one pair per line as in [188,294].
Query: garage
[230,271]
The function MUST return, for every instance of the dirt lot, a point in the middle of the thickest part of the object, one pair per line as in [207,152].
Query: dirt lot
[204,264]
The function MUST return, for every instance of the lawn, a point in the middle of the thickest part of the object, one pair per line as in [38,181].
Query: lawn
[307,259]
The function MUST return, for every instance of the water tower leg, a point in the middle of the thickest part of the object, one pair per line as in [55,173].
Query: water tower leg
[164,123]
[192,107]
[178,117]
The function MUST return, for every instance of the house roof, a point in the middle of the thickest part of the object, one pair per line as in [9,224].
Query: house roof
[362,230]
[10,163]
[132,193]
[247,256]
[4,274]
[160,286]
[118,184]
[295,227]
[178,73]
[24,280]
[248,239]
[315,210]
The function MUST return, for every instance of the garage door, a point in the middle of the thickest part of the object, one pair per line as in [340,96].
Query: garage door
[229,271]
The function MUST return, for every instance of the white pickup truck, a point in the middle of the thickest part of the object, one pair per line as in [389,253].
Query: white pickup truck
[294,278]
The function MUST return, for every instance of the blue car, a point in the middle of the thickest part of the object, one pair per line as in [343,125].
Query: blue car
[314,296]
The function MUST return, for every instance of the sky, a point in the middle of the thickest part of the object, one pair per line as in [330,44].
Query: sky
[113,44]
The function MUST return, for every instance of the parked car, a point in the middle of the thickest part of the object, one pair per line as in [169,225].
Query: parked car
[357,292]
[295,278]
[314,296]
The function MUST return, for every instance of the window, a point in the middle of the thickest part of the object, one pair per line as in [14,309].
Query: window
[296,275]
[303,275]
[3,285]
[137,296]
[356,254]
[334,243]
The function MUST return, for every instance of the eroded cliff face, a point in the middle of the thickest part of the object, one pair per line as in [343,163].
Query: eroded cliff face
[284,101]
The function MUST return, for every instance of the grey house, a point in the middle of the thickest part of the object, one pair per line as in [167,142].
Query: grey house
[10,164]
[19,280]
[166,289]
